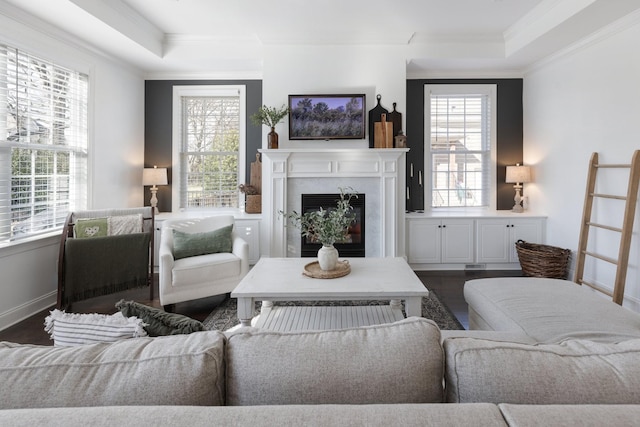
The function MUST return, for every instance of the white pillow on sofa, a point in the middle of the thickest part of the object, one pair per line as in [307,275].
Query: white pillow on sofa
[70,329]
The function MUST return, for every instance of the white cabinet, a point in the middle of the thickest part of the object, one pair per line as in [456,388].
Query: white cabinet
[440,241]
[496,237]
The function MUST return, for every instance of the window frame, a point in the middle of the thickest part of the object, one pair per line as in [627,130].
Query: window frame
[180,91]
[77,146]
[460,89]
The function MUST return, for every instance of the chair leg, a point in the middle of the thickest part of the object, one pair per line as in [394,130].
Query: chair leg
[170,308]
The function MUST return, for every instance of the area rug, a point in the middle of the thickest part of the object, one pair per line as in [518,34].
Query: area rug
[224,316]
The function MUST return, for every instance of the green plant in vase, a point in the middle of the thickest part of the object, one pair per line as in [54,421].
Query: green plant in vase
[270,116]
[326,226]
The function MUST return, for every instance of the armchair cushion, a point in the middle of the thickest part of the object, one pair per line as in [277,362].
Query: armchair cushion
[193,244]
[158,322]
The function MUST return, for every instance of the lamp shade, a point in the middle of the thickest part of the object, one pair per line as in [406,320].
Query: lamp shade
[518,174]
[154,176]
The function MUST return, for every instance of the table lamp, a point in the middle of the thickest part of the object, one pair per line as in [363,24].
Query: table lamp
[154,176]
[518,174]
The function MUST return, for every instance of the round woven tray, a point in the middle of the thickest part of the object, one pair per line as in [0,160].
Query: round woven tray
[313,270]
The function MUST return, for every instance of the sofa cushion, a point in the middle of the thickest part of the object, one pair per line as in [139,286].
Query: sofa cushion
[548,310]
[70,329]
[436,415]
[205,269]
[173,370]
[158,322]
[209,242]
[572,372]
[399,362]
[570,415]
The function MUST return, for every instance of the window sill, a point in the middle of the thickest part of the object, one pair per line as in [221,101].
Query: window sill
[29,244]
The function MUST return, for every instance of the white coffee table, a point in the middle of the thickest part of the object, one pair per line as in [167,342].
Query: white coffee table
[281,279]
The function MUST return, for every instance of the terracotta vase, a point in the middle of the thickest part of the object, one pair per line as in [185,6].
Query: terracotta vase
[272,139]
[327,257]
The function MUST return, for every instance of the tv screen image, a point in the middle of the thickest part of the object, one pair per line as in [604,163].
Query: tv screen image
[326,116]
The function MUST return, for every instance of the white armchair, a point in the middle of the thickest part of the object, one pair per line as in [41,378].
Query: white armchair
[199,276]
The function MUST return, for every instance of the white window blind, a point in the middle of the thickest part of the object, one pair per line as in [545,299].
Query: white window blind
[460,141]
[43,144]
[211,144]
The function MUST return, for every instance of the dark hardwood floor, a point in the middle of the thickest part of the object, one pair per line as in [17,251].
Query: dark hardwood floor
[447,285]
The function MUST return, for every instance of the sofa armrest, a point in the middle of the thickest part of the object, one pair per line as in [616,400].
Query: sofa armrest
[241,250]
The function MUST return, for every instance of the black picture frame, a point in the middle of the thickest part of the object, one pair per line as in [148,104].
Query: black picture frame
[327,117]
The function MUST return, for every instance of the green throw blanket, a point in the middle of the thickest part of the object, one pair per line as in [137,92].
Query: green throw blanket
[104,265]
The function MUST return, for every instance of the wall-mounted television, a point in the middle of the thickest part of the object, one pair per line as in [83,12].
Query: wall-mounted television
[327,116]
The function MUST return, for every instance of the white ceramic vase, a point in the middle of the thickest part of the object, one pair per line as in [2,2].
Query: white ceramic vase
[327,257]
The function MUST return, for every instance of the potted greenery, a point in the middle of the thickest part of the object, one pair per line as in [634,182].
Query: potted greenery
[326,226]
[270,116]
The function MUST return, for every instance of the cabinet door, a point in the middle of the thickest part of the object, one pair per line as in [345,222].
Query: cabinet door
[249,230]
[529,230]
[492,240]
[424,241]
[457,241]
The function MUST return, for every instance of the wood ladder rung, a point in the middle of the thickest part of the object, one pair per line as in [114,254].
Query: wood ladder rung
[608,196]
[606,227]
[597,288]
[614,165]
[602,257]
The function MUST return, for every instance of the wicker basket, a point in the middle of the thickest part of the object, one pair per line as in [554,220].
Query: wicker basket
[542,260]
[254,203]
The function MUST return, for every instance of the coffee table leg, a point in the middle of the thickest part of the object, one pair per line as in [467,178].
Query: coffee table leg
[396,304]
[245,310]
[413,306]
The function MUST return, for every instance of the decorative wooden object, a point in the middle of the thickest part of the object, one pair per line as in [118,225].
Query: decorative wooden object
[313,270]
[395,118]
[625,230]
[374,116]
[256,174]
[383,133]
[254,201]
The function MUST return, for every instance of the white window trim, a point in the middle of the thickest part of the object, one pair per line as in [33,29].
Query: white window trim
[462,89]
[176,137]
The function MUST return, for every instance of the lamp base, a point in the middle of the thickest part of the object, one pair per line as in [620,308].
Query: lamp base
[154,200]
[517,207]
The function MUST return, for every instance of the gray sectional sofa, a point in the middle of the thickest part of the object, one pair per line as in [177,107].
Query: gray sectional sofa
[407,373]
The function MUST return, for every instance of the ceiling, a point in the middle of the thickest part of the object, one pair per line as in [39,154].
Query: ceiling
[212,37]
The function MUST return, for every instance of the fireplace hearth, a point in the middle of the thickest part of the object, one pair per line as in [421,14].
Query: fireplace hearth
[355,244]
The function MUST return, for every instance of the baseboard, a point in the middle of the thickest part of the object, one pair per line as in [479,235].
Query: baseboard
[20,313]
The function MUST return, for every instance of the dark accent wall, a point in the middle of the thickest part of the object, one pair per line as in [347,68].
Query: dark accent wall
[509,138]
[158,119]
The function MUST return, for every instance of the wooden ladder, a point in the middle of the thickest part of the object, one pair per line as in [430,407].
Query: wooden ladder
[625,231]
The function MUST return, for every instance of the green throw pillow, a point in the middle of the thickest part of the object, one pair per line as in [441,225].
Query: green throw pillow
[194,244]
[159,322]
[90,227]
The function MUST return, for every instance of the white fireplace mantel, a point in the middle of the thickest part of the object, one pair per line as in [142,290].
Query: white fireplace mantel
[387,166]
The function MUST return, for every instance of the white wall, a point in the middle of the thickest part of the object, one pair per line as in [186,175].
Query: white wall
[29,270]
[335,69]
[586,101]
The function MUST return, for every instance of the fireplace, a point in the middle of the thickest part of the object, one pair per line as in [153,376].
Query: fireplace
[354,246]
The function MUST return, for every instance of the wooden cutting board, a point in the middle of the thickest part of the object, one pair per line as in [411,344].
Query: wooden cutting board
[395,118]
[383,133]
[255,178]
[374,116]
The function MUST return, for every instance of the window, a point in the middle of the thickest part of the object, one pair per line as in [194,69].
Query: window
[209,145]
[460,122]
[43,144]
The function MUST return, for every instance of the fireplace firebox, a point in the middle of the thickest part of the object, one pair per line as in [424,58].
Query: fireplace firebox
[354,246]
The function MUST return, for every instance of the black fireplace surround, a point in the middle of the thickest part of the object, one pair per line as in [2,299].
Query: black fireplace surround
[355,246]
